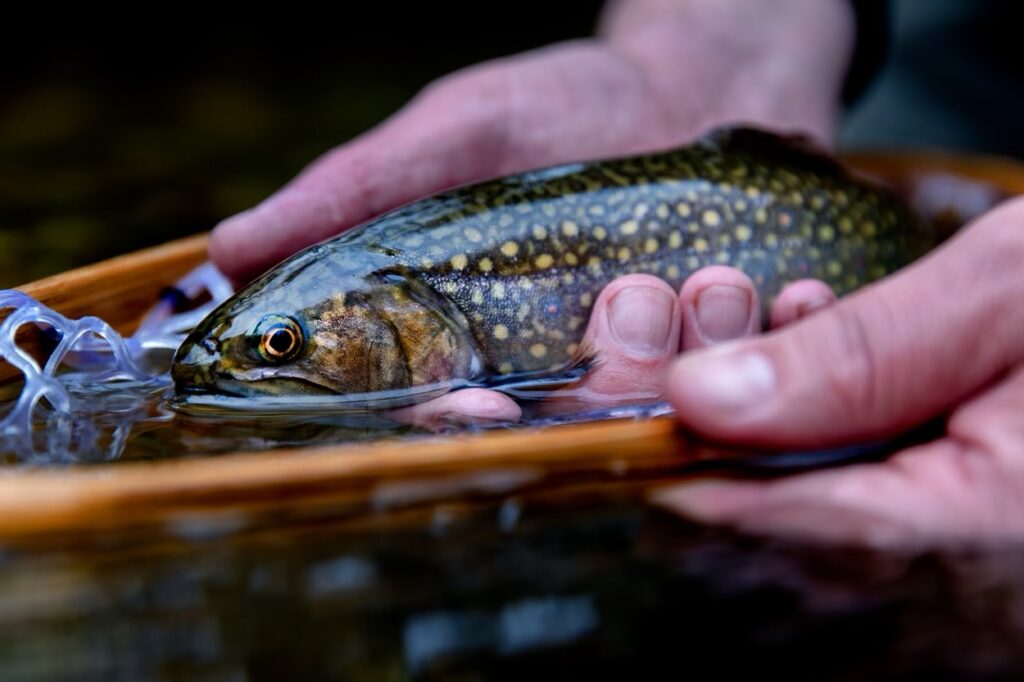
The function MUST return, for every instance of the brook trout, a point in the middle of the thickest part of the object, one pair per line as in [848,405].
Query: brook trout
[492,284]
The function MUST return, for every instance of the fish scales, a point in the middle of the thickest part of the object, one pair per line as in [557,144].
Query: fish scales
[520,261]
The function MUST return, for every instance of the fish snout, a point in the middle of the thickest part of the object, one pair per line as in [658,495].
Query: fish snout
[194,365]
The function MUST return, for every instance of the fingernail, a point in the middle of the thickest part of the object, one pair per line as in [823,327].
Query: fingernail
[808,307]
[723,312]
[725,378]
[640,319]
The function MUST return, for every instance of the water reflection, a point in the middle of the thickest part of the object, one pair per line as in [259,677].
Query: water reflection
[602,591]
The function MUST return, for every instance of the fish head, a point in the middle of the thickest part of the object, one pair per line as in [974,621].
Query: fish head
[368,336]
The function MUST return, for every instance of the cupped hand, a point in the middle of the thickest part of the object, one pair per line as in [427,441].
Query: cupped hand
[637,328]
[944,337]
[660,73]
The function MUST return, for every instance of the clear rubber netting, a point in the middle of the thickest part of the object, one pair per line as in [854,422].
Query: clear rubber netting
[82,403]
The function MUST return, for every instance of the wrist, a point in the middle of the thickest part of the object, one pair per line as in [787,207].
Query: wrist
[778,65]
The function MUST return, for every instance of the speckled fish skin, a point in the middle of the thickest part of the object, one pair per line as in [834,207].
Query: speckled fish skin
[495,282]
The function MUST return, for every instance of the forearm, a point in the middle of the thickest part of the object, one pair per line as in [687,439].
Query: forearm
[777,64]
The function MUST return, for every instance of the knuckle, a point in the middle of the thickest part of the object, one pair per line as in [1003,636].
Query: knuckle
[850,364]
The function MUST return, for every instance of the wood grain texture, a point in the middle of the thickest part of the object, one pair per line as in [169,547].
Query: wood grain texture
[366,479]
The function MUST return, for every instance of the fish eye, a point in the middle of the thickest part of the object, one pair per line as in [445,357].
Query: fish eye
[280,338]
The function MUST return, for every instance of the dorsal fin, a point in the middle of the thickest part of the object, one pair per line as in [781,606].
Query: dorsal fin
[796,151]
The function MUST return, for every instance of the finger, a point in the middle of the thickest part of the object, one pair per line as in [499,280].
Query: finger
[993,421]
[876,362]
[634,335]
[965,489]
[799,299]
[467,406]
[447,136]
[505,116]
[879,505]
[719,304]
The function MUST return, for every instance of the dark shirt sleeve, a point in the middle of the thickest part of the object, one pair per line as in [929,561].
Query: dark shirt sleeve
[870,47]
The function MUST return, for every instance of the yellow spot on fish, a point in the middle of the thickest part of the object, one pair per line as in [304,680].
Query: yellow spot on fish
[672,271]
[841,199]
[662,211]
[624,253]
[449,287]
[817,203]
[570,229]
[498,290]
[833,268]
[572,348]
[539,232]
[459,261]
[761,216]
[596,209]
[485,264]
[500,332]
[868,229]
[544,260]
[510,249]
[826,233]
[743,233]
[753,192]
[568,278]
[683,210]
[426,262]
[675,240]
[640,211]
[505,368]
[722,257]
[629,227]
[571,259]
[538,350]
[845,225]
[594,263]
[693,262]
[770,240]
[473,234]
[586,298]
[711,218]
[651,245]
[700,245]
[600,233]
[477,297]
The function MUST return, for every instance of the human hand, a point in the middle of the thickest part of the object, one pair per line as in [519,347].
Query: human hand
[660,73]
[637,328]
[943,337]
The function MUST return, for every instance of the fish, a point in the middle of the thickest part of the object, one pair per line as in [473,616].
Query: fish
[492,284]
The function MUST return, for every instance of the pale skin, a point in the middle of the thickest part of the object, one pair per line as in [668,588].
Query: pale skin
[944,337]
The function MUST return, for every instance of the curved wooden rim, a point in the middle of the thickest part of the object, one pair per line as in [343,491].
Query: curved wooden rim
[352,476]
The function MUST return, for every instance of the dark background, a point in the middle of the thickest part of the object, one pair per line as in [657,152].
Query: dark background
[115,139]
[127,131]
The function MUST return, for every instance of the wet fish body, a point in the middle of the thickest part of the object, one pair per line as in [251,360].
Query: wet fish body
[494,283]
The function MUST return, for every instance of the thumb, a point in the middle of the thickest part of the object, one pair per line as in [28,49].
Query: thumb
[876,363]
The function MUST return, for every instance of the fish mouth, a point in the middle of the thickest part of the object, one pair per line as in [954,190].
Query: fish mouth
[237,397]
[226,385]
